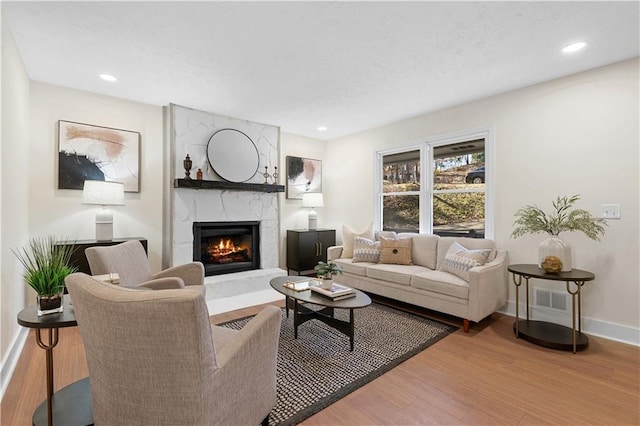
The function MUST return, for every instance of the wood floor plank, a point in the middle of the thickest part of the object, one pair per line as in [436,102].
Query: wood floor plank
[484,377]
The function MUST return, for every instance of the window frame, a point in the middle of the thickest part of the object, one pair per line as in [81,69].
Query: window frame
[426,148]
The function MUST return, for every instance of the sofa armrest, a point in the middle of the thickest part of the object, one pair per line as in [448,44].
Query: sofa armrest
[166,283]
[488,287]
[191,273]
[334,252]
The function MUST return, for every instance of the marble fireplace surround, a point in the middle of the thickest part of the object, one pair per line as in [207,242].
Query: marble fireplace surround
[189,132]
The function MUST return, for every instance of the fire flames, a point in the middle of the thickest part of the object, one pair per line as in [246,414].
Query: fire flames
[225,251]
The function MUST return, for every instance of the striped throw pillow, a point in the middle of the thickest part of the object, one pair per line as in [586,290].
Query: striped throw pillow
[458,260]
[365,250]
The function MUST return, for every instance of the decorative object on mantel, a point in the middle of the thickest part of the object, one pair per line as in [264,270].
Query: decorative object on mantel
[46,264]
[532,220]
[266,175]
[224,185]
[275,175]
[98,153]
[233,155]
[199,174]
[187,164]
[551,265]
[312,200]
[104,194]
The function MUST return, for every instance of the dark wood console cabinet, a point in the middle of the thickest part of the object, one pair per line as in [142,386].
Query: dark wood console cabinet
[305,248]
[78,257]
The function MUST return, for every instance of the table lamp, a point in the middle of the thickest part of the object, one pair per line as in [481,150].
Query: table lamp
[104,194]
[312,200]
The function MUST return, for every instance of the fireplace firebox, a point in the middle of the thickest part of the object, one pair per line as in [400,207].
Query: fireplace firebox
[226,247]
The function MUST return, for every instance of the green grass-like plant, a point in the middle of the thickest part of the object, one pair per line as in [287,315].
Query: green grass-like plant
[532,220]
[46,264]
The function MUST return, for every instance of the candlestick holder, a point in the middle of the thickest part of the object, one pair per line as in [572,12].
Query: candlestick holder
[266,175]
[275,175]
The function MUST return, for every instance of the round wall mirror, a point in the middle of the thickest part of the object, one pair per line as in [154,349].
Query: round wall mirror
[233,155]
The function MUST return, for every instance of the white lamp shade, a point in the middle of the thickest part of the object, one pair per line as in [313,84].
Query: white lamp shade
[312,199]
[103,193]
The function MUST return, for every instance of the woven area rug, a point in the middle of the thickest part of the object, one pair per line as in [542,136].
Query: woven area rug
[317,369]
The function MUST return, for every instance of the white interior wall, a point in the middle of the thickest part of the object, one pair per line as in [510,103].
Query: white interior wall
[59,212]
[575,135]
[15,168]
[292,215]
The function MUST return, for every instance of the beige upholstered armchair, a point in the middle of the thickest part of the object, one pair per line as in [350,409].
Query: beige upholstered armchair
[155,359]
[130,262]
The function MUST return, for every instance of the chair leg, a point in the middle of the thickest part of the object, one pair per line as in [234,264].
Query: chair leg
[265,421]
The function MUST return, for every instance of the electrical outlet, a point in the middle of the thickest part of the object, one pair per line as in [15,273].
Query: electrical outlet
[610,211]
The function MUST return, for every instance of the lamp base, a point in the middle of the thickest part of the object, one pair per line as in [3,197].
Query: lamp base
[104,225]
[313,220]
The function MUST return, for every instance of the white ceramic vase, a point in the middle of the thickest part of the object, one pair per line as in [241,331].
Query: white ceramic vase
[326,283]
[554,246]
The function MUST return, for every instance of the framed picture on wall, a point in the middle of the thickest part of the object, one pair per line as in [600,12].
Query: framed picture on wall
[303,175]
[88,152]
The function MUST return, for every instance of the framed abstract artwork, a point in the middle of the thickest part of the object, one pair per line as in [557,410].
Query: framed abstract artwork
[87,152]
[303,175]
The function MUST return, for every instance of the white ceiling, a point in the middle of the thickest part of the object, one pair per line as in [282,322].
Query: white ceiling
[349,66]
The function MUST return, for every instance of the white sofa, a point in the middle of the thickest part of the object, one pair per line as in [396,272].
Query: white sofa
[425,284]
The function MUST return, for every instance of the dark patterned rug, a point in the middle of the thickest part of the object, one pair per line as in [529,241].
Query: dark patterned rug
[317,369]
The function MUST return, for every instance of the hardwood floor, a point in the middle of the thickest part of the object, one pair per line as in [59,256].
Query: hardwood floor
[483,377]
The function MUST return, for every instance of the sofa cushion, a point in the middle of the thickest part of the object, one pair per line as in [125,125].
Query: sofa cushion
[424,250]
[397,274]
[348,236]
[458,260]
[348,267]
[386,234]
[469,243]
[442,283]
[396,251]
[365,250]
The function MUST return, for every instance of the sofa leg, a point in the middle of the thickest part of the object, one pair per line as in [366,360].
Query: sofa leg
[465,325]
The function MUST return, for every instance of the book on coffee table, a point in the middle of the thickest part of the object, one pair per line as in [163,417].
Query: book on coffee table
[336,292]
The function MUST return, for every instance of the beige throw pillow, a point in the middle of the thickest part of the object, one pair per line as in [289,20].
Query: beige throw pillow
[348,236]
[459,260]
[396,251]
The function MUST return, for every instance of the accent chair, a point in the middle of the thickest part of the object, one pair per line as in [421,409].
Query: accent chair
[130,262]
[155,359]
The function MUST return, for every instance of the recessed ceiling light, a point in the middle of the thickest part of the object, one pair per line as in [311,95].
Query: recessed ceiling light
[322,128]
[574,47]
[108,77]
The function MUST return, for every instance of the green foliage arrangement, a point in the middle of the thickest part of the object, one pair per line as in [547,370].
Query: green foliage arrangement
[327,270]
[46,264]
[532,220]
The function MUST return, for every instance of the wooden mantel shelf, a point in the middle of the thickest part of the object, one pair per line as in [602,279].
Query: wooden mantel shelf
[215,184]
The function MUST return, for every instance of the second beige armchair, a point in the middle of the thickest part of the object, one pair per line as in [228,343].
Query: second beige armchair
[130,262]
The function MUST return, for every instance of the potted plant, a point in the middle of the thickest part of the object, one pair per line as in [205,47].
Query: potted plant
[326,271]
[46,265]
[532,220]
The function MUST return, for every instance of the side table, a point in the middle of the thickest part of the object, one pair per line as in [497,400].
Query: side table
[71,405]
[547,334]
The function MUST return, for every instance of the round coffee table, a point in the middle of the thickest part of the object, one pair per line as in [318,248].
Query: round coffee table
[302,314]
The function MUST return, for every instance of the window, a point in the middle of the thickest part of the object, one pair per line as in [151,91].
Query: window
[440,186]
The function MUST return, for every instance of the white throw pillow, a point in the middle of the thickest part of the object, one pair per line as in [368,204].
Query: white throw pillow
[365,250]
[348,236]
[459,260]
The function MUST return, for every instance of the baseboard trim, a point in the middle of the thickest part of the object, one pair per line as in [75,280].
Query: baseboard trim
[10,362]
[607,330]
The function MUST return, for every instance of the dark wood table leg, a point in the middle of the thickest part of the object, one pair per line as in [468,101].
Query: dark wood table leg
[48,347]
[351,328]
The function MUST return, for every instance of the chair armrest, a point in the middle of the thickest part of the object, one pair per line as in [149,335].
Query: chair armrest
[334,252]
[247,364]
[167,283]
[488,287]
[191,273]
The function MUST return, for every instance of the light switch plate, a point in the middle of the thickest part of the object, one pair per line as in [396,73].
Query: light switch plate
[610,211]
